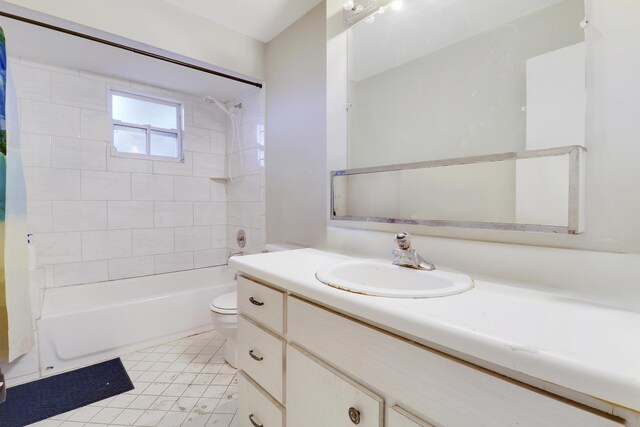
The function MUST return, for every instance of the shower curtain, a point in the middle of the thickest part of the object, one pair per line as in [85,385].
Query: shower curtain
[16,321]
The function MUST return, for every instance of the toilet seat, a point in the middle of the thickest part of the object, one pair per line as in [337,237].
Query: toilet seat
[225,304]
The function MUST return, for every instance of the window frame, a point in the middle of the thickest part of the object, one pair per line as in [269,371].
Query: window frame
[133,94]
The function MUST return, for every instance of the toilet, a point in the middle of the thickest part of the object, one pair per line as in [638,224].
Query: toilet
[224,312]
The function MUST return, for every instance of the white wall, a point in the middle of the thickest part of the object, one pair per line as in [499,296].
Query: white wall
[296,132]
[161,25]
[613,64]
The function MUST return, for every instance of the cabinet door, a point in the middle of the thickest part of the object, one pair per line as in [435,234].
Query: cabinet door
[255,406]
[398,417]
[319,396]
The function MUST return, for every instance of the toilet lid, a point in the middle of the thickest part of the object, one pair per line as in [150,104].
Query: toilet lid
[225,304]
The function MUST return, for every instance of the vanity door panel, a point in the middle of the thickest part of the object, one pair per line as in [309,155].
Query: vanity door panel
[319,396]
[261,303]
[255,406]
[398,417]
[446,390]
[261,355]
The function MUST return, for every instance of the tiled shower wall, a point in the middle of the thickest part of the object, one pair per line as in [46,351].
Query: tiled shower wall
[96,217]
[246,191]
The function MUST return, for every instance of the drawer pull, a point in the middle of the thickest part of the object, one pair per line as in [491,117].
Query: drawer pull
[253,421]
[354,415]
[255,302]
[254,357]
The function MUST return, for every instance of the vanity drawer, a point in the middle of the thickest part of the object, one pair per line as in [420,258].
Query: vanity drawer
[261,356]
[398,417]
[319,396]
[255,404]
[438,387]
[261,303]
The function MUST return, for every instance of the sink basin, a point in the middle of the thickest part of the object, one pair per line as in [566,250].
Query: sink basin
[382,278]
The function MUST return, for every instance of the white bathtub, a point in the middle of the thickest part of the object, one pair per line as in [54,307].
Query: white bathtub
[86,324]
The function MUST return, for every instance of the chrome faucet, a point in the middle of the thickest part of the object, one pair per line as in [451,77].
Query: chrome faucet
[405,256]
[232,254]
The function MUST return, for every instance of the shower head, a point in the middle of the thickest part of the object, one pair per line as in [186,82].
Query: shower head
[212,100]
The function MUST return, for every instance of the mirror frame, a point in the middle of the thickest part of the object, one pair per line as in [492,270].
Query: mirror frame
[576,153]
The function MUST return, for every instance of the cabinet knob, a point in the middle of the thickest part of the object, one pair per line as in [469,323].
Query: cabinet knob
[255,302]
[253,421]
[354,415]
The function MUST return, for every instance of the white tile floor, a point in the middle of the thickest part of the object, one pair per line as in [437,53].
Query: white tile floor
[181,383]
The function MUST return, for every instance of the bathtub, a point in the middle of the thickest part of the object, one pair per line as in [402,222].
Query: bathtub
[85,324]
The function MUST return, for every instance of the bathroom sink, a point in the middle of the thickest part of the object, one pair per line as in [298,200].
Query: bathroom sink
[382,278]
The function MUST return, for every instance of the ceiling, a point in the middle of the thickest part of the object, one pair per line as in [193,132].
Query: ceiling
[259,19]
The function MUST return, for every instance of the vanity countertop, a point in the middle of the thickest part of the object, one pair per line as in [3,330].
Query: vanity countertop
[574,343]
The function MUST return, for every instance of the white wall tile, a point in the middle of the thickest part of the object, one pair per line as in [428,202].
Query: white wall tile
[153,241]
[192,189]
[130,214]
[218,144]
[192,238]
[52,184]
[210,258]
[252,137]
[54,248]
[122,164]
[74,153]
[123,268]
[79,215]
[174,262]
[39,216]
[31,82]
[173,214]
[208,165]
[106,186]
[208,116]
[79,272]
[49,119]
[245,189]
[95,124]
[106,244]
[36,149]
[219,236]
[152,187]
[244,214]
[218,191]
[196,139]
[209,213]
[78,91]
[183,168]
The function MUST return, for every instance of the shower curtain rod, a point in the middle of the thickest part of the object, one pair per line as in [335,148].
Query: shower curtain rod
[128,48]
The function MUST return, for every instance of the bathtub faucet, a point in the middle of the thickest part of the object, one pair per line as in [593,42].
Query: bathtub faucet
[232,253]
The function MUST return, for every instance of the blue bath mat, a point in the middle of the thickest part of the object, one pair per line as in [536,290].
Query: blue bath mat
[38,400]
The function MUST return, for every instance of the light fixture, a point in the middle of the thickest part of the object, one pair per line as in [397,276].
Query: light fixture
[348,5]
[396,5]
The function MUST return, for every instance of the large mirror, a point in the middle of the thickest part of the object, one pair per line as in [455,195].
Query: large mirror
[445,79]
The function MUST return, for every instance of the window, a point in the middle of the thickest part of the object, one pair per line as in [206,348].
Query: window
[145,127]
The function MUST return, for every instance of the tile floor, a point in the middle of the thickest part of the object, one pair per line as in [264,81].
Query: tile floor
[182,383]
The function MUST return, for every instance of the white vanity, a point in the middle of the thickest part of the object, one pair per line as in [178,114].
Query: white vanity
[311,355]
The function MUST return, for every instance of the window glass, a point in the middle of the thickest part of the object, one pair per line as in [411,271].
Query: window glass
[130,140]
[164,144]
[144,112]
